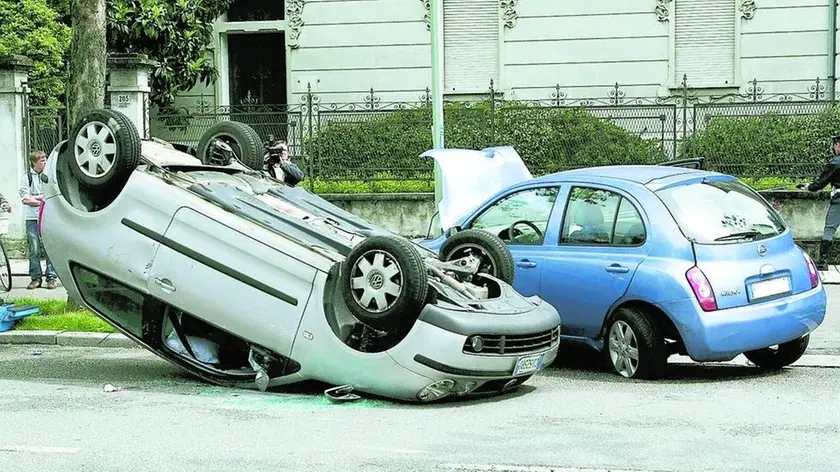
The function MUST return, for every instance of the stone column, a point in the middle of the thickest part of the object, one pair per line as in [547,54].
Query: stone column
[129,88]
[14,74]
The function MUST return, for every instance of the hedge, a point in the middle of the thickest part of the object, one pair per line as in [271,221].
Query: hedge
[367,145]
[770,144]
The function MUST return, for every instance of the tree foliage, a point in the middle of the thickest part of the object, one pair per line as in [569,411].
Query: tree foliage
[33,29]
[176,33]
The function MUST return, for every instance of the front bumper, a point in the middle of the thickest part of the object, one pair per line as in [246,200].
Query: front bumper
[437,353]
[723,335]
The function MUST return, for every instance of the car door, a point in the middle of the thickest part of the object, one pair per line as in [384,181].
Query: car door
[601,244]
[209,266]
[521,218]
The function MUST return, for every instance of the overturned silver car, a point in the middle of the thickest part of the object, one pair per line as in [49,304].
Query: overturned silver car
[245,281]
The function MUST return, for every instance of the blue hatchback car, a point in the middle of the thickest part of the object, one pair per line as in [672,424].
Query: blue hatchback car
[642,262]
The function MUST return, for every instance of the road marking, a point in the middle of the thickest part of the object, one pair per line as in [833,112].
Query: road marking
[808,360]
[399,451]
[527,468]
[40,449]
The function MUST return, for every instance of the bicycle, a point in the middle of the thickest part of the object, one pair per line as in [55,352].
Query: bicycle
[5,266]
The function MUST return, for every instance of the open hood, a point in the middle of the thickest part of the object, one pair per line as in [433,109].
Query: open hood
[470,177]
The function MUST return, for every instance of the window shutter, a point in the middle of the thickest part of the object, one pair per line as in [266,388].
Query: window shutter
[471,45]
[705,42]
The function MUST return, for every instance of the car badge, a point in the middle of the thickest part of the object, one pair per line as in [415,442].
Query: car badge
[762,250]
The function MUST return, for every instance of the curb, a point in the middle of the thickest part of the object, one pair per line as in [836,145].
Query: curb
[68,338]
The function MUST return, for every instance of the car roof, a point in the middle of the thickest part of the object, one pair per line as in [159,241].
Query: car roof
[639,174]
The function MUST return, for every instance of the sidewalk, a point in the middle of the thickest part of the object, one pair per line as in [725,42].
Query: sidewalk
[831,276]
[19,283]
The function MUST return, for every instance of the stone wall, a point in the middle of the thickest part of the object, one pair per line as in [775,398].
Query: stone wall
[410,214]
[803,211]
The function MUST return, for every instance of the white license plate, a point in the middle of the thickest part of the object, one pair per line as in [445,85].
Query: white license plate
[528,364]
[769,288]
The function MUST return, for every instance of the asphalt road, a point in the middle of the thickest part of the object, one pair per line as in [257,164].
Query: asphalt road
[55,414]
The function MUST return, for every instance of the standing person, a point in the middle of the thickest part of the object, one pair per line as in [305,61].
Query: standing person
[829,175]
[31,196]
[278,163]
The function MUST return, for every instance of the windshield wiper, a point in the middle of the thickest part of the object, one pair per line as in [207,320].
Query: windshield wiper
[741,235]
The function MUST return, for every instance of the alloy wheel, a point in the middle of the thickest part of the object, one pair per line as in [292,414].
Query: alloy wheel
[377,281]
[95,149]
[624,349]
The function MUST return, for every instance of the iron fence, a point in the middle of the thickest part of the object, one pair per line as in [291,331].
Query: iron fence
[806,117]
[46,127]
[374,139]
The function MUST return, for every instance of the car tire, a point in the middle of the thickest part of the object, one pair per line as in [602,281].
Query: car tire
[104,136]
[496,258]
[785,355]
[245,141]
[634,330]
[373,266]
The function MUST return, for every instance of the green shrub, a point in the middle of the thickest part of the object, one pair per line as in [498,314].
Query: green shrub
[359,145]
[766,145]
[772,183]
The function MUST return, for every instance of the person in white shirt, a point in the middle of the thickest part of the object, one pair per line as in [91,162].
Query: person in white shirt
[31,196]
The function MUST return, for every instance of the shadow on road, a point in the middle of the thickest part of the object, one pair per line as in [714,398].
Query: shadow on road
[573,360]
[130,371]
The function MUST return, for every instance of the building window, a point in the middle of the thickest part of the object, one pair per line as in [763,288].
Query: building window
[470,45]
[704,42]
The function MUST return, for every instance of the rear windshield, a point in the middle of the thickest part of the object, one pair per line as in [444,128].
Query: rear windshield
[722,212]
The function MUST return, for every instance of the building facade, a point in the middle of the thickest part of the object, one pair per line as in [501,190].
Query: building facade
[341,49]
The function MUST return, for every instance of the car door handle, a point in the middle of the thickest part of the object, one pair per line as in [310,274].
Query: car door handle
[165,284]
[526,264]
[617,269]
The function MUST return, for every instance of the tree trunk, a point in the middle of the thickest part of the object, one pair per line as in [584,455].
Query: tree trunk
[88,60]
[88,57]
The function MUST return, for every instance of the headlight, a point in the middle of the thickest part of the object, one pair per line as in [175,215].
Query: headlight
[477,343]
[436,391]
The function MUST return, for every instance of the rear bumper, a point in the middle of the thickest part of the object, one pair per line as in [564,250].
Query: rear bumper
[723,335]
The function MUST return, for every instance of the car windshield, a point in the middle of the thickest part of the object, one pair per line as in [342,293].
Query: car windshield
[721,212]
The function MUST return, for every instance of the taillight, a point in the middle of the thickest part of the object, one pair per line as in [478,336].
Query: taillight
[812,270]
[40,217]
[702,289]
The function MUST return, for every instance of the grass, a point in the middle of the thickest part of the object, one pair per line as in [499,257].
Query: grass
[370,186]
[57,315]
[383,184]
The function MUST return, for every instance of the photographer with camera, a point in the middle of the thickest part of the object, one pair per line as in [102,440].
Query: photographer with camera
[278,164]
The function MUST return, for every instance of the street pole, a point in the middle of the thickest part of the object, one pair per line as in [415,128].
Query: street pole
[436,23]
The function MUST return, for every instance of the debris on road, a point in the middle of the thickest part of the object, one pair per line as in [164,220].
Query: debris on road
[341,394]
